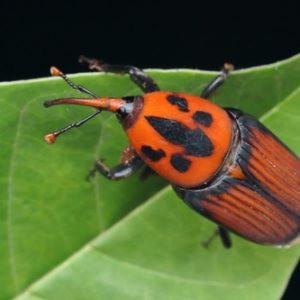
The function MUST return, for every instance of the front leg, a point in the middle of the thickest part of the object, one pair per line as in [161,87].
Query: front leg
[118,172]
[130,162]
[138,76]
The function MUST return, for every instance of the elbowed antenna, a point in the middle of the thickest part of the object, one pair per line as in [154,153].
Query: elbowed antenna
[50,138]
[110,104]
[54,71]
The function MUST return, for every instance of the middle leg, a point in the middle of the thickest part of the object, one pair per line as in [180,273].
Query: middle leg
[217,81]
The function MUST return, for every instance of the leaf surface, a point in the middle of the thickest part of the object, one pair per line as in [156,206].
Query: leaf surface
[65,238]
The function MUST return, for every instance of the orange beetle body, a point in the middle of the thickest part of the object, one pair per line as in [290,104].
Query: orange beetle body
[223,163]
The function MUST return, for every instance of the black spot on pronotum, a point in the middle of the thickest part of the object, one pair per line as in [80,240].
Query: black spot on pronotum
[178,101]
[180,163]
[203,118]
[154,155]
[195,141]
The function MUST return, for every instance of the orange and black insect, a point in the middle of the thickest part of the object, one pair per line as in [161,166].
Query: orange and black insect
[223,163]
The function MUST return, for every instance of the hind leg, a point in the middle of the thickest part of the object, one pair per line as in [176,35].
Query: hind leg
[224,236]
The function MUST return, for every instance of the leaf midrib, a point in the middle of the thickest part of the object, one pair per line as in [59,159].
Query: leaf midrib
[11,248]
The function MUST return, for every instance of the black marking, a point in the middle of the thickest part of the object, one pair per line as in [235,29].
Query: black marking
[178,101]
[154,155]
[203,118]
[180,163]
[195,141]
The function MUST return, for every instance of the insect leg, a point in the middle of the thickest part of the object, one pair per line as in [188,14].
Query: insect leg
[138,76]
[224,236]
[121,171]
[217,81]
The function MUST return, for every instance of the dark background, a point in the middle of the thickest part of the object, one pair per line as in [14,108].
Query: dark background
[35,36]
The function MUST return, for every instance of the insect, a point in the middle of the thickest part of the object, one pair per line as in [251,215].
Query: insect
[222,162]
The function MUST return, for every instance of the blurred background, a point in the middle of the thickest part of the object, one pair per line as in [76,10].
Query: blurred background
[35,36]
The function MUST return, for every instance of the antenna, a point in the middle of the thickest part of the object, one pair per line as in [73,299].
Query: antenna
[51,137]
[54,71]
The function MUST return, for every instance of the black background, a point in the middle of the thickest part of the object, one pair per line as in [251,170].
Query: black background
[36,35]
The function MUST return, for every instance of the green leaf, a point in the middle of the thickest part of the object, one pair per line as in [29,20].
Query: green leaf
[65,238]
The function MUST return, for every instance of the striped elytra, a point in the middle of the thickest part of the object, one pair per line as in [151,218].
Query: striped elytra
[262,206]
